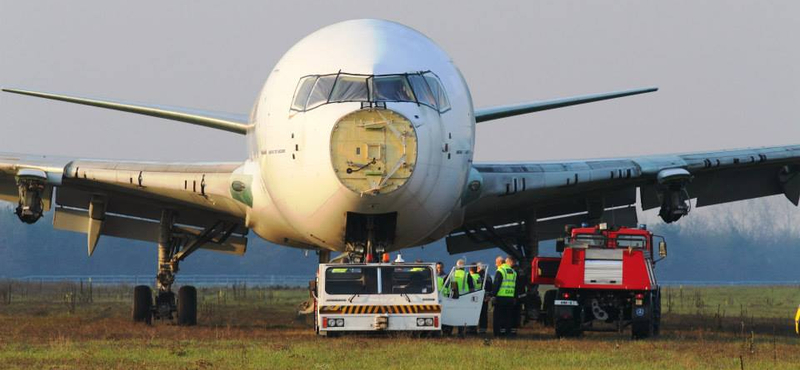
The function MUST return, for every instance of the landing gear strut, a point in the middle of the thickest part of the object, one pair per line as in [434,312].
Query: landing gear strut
[174,246]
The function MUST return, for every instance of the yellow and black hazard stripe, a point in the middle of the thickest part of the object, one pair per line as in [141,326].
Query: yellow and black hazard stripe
[389,309]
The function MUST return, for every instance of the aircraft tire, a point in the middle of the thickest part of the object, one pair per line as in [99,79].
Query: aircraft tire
[142,304]
[187,306]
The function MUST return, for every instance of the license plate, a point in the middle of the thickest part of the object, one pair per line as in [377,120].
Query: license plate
[566,303]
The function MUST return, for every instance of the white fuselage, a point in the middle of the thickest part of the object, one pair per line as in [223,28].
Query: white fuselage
[299,195]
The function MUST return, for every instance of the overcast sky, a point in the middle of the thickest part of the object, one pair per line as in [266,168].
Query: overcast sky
[728,71]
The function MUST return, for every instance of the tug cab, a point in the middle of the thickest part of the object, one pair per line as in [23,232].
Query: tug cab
[376,297]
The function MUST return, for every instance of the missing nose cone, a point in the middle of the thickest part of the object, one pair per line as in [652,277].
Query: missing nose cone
[373,151]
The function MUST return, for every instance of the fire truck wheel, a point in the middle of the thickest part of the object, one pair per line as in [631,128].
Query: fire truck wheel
[657,313]
[142,304]
[566,328]
[642,329]
[548,306]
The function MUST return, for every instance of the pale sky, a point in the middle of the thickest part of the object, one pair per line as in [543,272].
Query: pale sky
[727,70]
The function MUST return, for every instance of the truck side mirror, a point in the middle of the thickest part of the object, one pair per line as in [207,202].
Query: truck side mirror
[662,249]
[560,245]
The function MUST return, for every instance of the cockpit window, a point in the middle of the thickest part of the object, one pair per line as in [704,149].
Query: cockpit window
[321,92]
[301,94]
[438,92]
[350,88]
[423,88]
[392,88]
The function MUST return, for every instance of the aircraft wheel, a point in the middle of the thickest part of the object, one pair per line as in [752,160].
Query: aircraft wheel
[142,304]
[187,306]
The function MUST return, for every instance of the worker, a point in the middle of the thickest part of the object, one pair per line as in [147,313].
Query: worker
[440,278]
[518,296]
[504,292]
[486,283]
[476,279]
[463,283]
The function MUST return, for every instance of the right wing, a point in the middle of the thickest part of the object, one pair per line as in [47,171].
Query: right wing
[127,199]
[509,202]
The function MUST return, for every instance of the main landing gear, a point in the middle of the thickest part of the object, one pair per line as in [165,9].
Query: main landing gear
[174,246]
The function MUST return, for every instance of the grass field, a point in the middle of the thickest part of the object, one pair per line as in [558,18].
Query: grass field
[61,326]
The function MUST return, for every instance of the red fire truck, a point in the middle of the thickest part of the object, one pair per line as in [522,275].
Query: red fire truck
[604,281]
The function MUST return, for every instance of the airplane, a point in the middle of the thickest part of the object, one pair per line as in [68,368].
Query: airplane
[362,142]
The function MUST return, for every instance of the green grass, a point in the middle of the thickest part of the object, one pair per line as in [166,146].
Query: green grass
[258,329]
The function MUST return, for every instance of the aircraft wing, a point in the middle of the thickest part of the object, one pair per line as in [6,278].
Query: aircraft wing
[504,197]
[126,199]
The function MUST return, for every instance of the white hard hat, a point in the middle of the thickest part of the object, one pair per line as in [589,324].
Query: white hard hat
[399,259]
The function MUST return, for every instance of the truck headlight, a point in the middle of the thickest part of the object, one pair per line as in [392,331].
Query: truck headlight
[429,322]
[420,322]
[340,323]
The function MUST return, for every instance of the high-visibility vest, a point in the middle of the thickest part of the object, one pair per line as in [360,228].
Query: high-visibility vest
[476,280]
[417,269]
[508,286]
[440,284]
[339,270]
[461,281]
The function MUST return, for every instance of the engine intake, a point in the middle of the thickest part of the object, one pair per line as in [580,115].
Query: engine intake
[31,186]
[675,200]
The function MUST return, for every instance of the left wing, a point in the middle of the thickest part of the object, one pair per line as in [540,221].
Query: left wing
[127,199]
[505,202]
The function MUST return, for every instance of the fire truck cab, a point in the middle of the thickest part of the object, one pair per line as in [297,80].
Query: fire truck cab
[604,281]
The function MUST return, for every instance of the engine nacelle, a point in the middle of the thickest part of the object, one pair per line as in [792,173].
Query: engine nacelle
[31,185]
[675,200]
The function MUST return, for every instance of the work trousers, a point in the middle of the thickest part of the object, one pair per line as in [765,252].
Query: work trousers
[483,322]
[503,315]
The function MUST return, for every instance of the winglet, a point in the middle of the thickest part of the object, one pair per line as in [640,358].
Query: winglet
[220,121]
[488,114]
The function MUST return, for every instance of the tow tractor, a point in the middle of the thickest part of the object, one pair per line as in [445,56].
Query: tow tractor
[604,281]
[376,297]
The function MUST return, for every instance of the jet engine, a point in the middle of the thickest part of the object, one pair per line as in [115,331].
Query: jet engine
[675,200]
[31,185]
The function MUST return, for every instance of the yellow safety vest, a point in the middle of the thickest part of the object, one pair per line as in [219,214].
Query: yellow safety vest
[461,280]
[509,285]
[797,321]
[476,280]
[440,284]
[339,270]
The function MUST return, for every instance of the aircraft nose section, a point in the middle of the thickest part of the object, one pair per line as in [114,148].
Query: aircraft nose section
[373,151]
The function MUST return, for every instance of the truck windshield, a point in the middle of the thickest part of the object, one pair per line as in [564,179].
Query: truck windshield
[619,241]
[351,280]
[406,280]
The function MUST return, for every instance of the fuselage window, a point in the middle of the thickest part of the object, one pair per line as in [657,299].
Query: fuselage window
[350,88]
[423,88]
